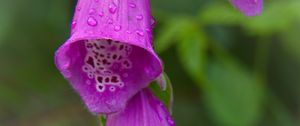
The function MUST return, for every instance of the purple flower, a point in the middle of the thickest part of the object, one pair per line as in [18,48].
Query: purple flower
[144,109]
[249,7]
[109,60]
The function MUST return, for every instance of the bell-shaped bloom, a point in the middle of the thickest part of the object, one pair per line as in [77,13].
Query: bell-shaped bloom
[249,7]
[109,56]
[144,109]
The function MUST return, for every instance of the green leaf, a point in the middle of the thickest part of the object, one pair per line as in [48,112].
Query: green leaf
[290,42]
[192,51]
[277,16]
[221,13]
[102,120]
[169,33]
[6,19]
[233,95]
[165,95]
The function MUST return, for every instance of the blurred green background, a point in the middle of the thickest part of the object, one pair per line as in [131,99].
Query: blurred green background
[226,69]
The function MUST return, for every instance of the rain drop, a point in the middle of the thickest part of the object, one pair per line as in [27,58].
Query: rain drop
[92,11]
[78,8]
[139,17]
[140,33]
[92,21]
[112,8]
[110,21]
[153,22]
[129,32]
[170,121]
[117,28]
[73,25]
[101,14]
[132,5]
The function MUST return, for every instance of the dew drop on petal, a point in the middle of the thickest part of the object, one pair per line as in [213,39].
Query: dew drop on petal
[140,33]
[170,121]
[112,8]
[73,25]
[132,5]
[92,21]
[78,8]
[110,21]
[139,17]
[129,32]
[101,14]
[92,11]
[153,22]
[117,28]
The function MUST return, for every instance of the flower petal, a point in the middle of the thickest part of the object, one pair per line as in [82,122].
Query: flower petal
[249,7]
[144,109]
[109,56]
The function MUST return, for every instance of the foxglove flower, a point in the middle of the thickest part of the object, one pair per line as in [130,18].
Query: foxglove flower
[249,7]
[109,59]
[144,109]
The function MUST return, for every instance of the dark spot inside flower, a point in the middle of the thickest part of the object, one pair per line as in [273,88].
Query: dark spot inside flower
[121,47]
[104,61]
[100,87]
[101,55]
[114,56]
[120,57]
[114,79]
[95,52]
[102,47]
[109,41]
[106,80]
[95,45]
[126,63]
[90,61]
[89,45]
[100,79]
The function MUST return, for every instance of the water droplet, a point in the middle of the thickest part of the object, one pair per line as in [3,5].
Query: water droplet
[132,5]
[92,11]
[140,33]
[148,30]
[139,17]
[101,14]
[112,8]
[92,21]
[74,23]
[153,22]
[110,21]
[170,121]
[117,28]
[78,8]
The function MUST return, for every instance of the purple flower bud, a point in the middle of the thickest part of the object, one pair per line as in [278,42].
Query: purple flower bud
[249,7]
